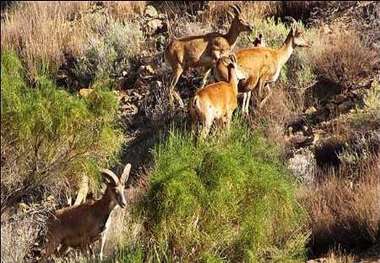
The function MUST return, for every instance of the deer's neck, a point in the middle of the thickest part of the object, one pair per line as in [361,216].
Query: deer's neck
[232,35]
[286,50]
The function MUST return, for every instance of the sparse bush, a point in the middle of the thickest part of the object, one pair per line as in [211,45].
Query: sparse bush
[341,57]
[43,32]
[40,32]
[106,55]
[344,213]
[229,198]
[48,137]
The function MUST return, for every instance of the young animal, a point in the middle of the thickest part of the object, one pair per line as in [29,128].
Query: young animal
[202,50]
[81,225]
[262,65]
[216,101]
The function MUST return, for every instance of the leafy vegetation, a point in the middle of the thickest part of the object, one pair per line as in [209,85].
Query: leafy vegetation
[226,199]
[49,136]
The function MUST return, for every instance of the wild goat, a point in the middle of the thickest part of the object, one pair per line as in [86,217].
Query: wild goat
[202,50]
[79,226]
[216,101]
[262,65]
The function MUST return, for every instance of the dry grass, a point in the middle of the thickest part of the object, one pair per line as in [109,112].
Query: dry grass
[42,32]
[275,114]
[122,10]
[344,213]
[341,57]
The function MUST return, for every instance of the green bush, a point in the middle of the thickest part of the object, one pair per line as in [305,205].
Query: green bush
[225,199]
[49,137]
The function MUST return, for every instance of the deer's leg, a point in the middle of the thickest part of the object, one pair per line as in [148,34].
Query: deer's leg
[266,98]
[177,71]
[206,127]
[246,99]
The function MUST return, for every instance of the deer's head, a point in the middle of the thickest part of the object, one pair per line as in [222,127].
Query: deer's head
[297,34]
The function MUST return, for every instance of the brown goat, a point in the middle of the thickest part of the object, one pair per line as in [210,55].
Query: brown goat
[262,65]
[202,50]
[216,101]
[81,225]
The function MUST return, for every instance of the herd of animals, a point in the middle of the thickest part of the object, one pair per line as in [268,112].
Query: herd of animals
[243,71]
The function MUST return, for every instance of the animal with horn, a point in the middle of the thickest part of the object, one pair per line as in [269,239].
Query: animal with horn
[202,50]
[79,226]
[262,65]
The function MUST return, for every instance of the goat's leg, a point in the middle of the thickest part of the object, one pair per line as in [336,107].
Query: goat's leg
[173,94]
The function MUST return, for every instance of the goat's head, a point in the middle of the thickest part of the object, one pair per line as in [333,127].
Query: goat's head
[116,185]
[297,34]
[238,22]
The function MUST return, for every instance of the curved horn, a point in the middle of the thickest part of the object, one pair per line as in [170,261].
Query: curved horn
[110,175]
[236,9]
[125,174]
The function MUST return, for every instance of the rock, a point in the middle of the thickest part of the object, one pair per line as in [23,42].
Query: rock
[310,110]
[150,11]
[154,25]
[302,166]
[346,106]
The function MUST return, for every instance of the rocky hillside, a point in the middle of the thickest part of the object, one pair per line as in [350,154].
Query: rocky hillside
[74,71]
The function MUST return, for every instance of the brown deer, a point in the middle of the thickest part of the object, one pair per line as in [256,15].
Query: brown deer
[81,225]
[216,101]
[262,65]
[202,50]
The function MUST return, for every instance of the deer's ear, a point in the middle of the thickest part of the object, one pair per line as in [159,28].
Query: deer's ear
[125,175]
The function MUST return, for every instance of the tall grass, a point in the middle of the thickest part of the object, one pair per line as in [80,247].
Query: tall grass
[344,209]
[42,33]
[226,199]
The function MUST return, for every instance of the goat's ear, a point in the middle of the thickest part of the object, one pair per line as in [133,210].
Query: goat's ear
[125,174]
[109,176]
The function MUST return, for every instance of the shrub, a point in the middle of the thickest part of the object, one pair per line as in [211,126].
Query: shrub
[48,137]
[344,213]
[341,57]
[41,32]
[229,198]
[44,33]
[111,51]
